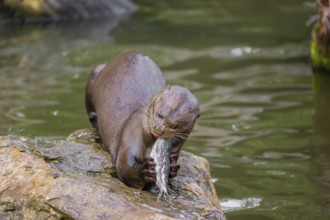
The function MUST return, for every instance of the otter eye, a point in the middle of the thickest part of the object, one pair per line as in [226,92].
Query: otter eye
[160,116]
[174,126]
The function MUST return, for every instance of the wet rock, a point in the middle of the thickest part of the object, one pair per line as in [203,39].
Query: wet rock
[72,179]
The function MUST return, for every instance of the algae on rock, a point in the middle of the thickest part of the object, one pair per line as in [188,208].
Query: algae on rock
[320,45]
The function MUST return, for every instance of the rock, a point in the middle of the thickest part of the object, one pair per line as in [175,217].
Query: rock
[71,179]
[320,43]
[50,10]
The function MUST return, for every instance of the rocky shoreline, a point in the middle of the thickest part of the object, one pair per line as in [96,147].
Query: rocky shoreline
[71,179]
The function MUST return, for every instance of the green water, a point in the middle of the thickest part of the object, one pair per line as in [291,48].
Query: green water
[263,130]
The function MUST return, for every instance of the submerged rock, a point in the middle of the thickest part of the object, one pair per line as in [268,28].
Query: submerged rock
[72,179]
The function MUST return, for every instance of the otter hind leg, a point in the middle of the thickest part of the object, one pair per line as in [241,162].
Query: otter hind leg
[93,120]
[89,95]
[96,72]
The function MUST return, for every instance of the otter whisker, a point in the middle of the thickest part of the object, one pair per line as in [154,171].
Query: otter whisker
[145,115]
[146,107]
[181,134]
[180,137]
[186,116]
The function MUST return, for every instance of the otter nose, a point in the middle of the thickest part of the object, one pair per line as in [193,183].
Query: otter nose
[159,129]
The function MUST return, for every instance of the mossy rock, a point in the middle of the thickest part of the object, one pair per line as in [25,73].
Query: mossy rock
[320,53]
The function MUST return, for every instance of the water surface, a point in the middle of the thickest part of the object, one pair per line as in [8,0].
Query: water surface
[262,128]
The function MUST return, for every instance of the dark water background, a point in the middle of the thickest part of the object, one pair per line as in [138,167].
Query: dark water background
[263,130]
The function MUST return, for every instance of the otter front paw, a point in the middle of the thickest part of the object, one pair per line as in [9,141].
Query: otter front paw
[174,167]
[148,170]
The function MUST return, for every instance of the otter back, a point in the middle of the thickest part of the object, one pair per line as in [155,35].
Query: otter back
[125,85]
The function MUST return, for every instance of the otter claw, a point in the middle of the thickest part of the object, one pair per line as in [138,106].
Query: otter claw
[148,170]
[174,157]
[174,170]
[174,167]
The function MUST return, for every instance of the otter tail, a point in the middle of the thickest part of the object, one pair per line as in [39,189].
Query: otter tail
[88,95]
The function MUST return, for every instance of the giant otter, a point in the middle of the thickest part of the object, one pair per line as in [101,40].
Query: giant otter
[130,106]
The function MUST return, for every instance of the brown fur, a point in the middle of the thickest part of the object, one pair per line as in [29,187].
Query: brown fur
[129,104]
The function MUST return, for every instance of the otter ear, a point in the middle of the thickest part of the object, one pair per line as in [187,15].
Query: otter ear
[199,115]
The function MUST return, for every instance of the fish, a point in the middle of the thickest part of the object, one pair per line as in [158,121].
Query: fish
[160,152]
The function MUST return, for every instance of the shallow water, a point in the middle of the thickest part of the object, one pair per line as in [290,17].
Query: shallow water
[263,129]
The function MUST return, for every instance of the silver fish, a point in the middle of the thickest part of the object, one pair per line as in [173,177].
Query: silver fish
[161,154]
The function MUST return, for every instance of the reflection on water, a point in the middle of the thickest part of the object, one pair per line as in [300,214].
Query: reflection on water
[36,86]
[263,130]
[321,137]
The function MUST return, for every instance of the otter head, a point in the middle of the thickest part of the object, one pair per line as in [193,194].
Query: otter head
[172,113]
